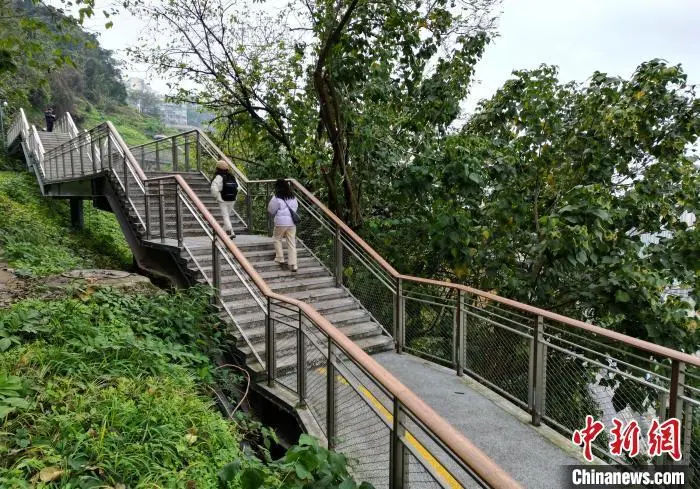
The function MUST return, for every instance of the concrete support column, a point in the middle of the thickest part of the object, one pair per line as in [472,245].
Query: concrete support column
[77,219]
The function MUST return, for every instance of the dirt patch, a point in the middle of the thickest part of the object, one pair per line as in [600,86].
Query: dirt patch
[11,287]
[74,283]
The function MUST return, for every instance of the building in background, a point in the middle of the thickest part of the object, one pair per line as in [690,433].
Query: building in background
[172,114]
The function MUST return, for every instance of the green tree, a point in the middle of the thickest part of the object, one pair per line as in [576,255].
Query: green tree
[310,85]
[44,48]
[546,196]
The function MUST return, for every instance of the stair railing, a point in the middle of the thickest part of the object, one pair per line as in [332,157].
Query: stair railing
[66,125]
[193,152]
[28,134]
[539,360]
[360,408]
[533,357]
[19,126]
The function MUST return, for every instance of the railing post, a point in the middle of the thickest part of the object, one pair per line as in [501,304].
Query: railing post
[93,154]
[174,150]
[178,216]
[147,204]
[398,466]
[187,153]
[109,150]
[197,154]
[675,401]
[399,316]
[270,346]
[161,210]
[301,363]
[143,158]
[330,397]
[338,258]
[157,156]
[80,155]
[539,372]
[460,346]
[72,162]
[249,208]
[126,178]
[215,267]
[63,159]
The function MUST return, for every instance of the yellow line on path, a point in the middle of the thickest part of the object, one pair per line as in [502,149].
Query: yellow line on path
[427,456]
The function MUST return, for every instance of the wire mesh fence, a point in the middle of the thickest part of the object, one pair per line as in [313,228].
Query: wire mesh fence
[315,233]
[368,282]
[691,424]
[559,372]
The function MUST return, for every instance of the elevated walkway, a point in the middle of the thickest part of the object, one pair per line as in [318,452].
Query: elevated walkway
[306,337]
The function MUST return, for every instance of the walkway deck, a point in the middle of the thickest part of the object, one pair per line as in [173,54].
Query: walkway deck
[530,455]
[533,456]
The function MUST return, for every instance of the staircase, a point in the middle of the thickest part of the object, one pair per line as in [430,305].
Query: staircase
[50,140]
[313,283]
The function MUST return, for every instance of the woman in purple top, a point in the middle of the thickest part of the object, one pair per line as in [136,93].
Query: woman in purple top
[281,206]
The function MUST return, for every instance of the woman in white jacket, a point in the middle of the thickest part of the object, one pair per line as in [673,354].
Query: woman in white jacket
[281,206]
[224,188]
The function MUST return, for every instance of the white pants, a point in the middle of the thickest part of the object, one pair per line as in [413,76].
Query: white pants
[289,234]
[226,210]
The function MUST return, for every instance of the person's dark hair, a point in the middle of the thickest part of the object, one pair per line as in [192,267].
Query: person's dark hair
[283,190]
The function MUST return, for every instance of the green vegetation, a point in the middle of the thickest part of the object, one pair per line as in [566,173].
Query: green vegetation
[111,388]
[135,128]
[107,389]
[65,69]
[50,59]
[101,388]
[35,236]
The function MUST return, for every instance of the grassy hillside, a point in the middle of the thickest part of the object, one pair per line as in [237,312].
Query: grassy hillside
[109,390]
[35,234]
[102,388]
[135,128]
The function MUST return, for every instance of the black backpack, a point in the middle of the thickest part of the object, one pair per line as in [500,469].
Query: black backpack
[230,188]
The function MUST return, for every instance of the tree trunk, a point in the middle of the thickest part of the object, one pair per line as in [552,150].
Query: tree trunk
[332,120]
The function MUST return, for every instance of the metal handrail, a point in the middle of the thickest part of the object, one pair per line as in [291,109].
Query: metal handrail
[65,124]
[465,450]
[613,335]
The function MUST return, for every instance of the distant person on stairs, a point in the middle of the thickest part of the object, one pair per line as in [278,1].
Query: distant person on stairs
[224,188]
[283,207]
[50,117]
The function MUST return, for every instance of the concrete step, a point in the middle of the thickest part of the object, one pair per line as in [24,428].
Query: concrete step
[253,320]
[272,275]
[281,285]
[246,306]
[286,339]
[287,363]
[353,330]
[204,258]
[192,223]
[253,256]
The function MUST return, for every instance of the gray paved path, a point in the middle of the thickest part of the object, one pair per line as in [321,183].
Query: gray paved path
[520,449]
